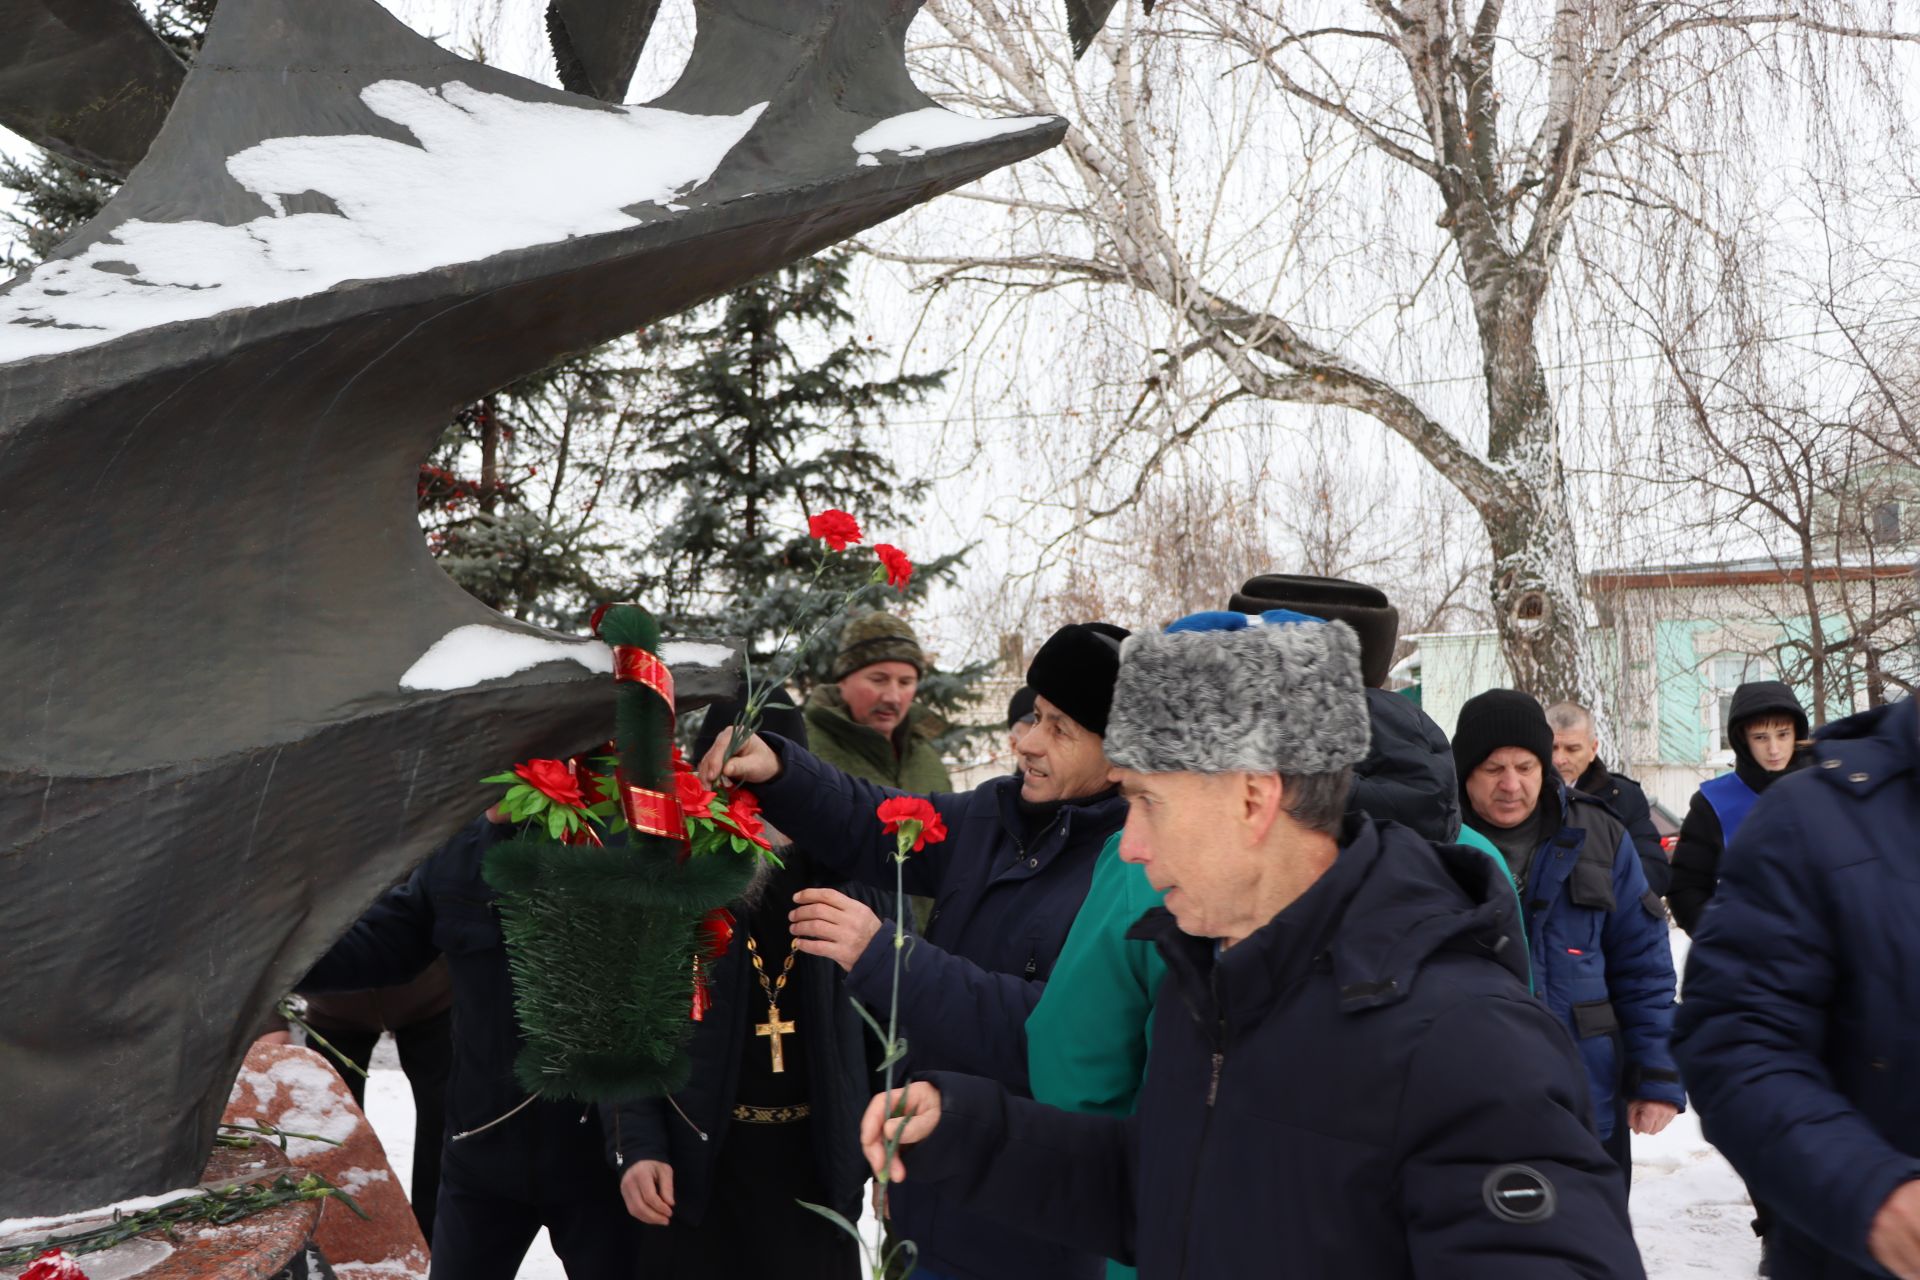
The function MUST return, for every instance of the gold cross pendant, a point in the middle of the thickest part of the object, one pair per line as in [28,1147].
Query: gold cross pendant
[773,1028]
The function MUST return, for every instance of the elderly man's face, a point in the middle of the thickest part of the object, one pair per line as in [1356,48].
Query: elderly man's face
[1574,750]
[1180,831]
[1506,786]
[1059,758]
[878,695]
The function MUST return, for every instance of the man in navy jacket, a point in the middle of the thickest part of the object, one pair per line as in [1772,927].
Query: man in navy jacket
[1349,1077]
[1602,958]
[1006,885]
[1800,1033]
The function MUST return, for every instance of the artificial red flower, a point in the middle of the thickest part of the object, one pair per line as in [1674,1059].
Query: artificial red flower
[54,1264]
[743,812]
[894,560]
[898,811]
[552,779]
[695,798]
[834,527]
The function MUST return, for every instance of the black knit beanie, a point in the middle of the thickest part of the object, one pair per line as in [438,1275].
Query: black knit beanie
[1020,705]
[1361,607]
[1075,671]
[1500,718]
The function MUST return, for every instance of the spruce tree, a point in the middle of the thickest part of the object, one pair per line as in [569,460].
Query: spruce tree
[769,417]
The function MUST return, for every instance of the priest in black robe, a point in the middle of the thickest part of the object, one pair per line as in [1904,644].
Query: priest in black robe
[782,1068]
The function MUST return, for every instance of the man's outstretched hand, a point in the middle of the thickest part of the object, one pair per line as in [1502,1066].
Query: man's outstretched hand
[914,1113]
[754,763]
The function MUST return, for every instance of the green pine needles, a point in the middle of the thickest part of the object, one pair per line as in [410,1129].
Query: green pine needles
[601,942]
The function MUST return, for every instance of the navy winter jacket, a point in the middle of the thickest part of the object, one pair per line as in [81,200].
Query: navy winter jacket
[446,906]
[1628,802]
[1003,903]
[1345,1093]
[1800,1032]
[1408,774]
[1602,959]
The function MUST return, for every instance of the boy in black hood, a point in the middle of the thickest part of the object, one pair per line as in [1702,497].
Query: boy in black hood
[1764,714]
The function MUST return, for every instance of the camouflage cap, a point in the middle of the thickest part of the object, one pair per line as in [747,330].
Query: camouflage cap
[877,637]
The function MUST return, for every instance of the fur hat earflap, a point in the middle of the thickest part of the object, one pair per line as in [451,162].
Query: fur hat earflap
[1267,698]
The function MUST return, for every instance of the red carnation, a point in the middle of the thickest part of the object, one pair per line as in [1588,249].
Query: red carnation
[834,527]
[552,779]
[900,812]
[894,560]
[54,1264]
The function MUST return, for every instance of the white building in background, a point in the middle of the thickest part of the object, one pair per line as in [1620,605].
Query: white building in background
[1675,640]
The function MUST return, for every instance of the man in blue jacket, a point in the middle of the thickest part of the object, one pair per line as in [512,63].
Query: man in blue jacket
[1602,959]
[1800,1033]
[1349,1077]
[1006,885]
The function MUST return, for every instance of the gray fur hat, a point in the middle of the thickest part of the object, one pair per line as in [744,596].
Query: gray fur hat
[1267,699]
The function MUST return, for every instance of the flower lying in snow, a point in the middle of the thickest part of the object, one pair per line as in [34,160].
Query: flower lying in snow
[54,1264]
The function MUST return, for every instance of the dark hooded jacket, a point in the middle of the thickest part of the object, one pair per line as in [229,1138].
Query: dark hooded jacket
[1408,775]
[1800,1034]
[547,1150]
[1629,804]
[1725,800]
[1347,1091]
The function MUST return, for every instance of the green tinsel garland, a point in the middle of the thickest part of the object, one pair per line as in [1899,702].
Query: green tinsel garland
[601,941]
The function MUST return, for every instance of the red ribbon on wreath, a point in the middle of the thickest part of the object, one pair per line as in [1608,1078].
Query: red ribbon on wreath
[716,935]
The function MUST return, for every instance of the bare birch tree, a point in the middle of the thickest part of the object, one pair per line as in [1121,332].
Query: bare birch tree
[1470,141]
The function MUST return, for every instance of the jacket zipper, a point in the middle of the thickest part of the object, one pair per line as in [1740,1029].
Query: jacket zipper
[1206,1119]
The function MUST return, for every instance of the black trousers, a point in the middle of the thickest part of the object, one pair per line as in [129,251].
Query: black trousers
[426,1056]
[479,1236]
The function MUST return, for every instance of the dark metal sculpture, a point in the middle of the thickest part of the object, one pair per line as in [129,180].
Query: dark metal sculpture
[239,698]
[85,78]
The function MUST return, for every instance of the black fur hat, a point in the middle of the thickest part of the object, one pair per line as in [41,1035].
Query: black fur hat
[1360,606]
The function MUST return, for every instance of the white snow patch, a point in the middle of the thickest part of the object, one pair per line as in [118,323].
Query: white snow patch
[356,1180]
[403,209]
[468,655]
[28,1226]
[314,1105]
[412,1267]
[930,128]
[694,653]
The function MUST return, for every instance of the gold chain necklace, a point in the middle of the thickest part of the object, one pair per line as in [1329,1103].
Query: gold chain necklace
[773,1028]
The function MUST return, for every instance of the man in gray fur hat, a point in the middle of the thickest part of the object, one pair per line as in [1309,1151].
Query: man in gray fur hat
[1321,1089]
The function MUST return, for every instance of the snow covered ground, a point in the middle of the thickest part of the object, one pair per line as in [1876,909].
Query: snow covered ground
[1690,1212]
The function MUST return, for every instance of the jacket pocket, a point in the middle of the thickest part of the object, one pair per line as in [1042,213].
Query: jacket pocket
[1591,884]
[1594,1018]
